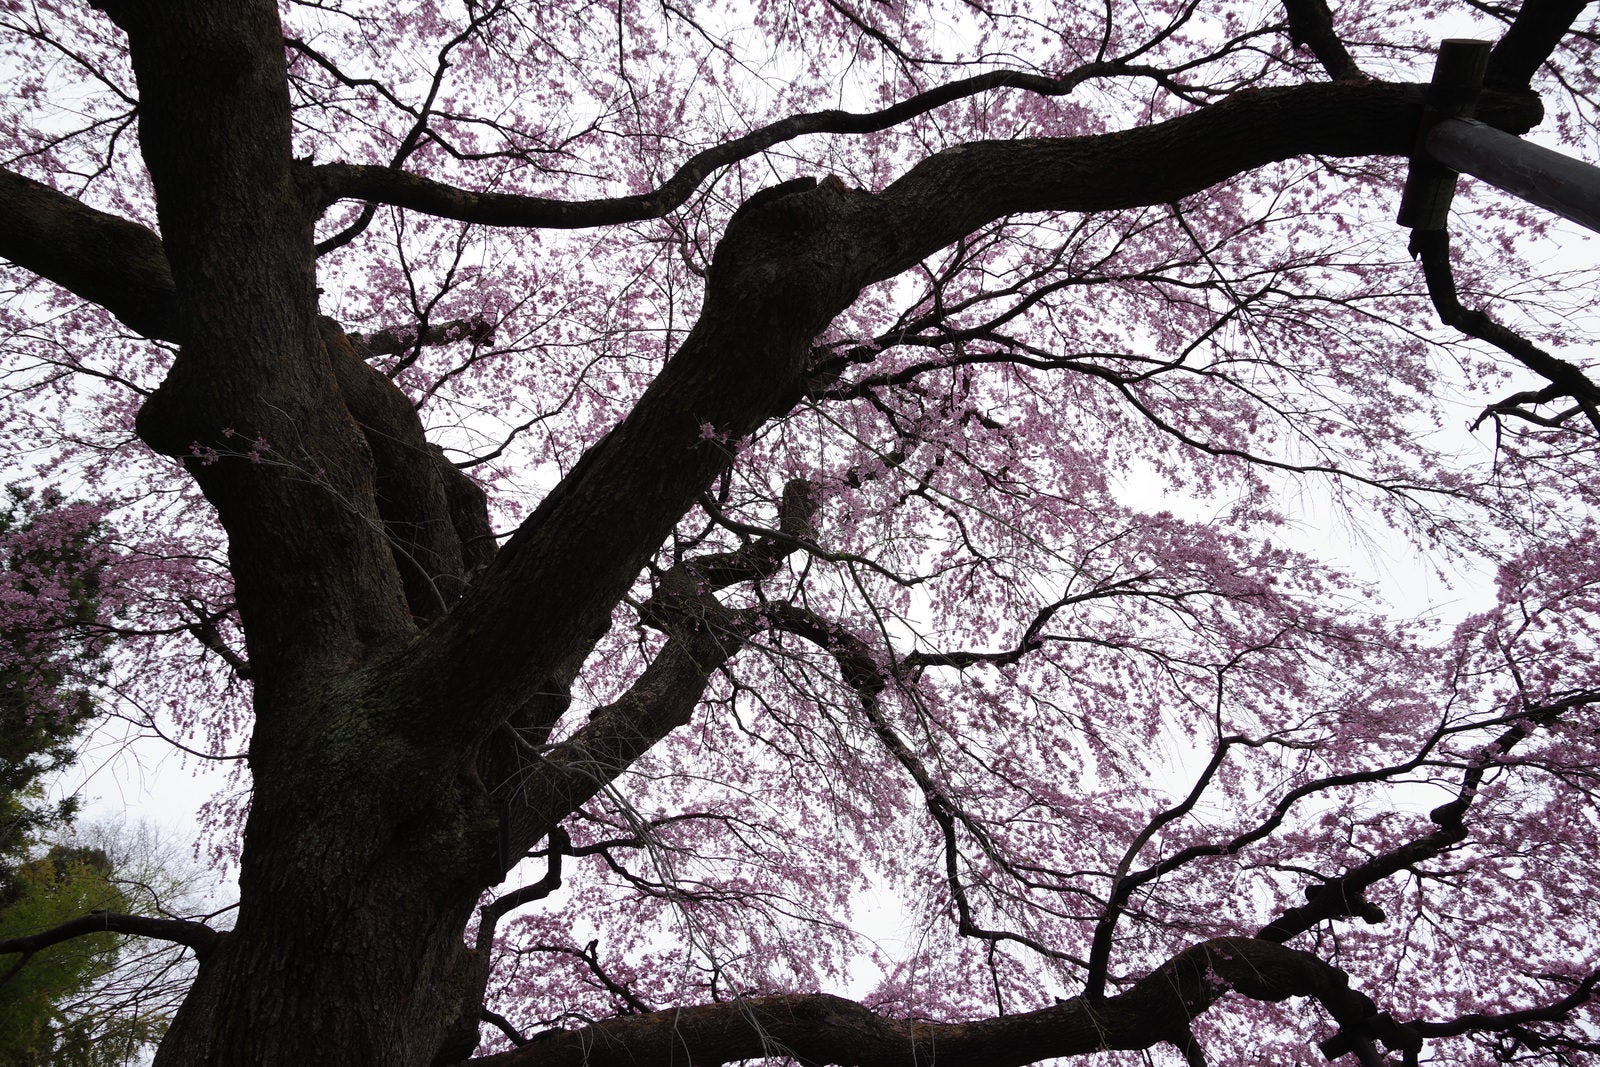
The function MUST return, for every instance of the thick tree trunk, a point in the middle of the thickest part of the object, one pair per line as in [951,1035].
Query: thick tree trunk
[279,989]
[363,857]
[363,860]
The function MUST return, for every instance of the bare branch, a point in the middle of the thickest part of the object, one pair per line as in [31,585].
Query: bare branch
[197,936]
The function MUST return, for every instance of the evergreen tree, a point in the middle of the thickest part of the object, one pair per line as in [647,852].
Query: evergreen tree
[54,560]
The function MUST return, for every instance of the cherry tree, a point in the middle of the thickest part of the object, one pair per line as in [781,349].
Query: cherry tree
[827,531]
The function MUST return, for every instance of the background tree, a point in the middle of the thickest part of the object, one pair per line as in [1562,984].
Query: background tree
[58,887]
[57,564]
[96,999]
[122,1011]
[50,643]
[745,459]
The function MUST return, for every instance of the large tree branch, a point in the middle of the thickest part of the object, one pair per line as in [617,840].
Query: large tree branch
[539,787]
[1534,34]
[1311,26]
[197,936]
[783,270]
[390,342]
[434,515]
[374,184]
[817,1028]
[1566,379]
[549,784]
[122,266]
[107,260]
[956,191]
[781,273]
[248,397]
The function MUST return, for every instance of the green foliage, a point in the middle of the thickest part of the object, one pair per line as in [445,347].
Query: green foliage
[53,1010]
[63,884]
[29,749]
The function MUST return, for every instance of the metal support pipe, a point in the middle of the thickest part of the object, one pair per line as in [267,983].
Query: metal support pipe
[1567,186]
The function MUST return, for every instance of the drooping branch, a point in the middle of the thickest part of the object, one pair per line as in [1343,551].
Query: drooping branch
[194,935]
[1128,883]
[817,1028]
[863,672]
[1566,379]
[589,955]
[1345,896]
[107,260]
